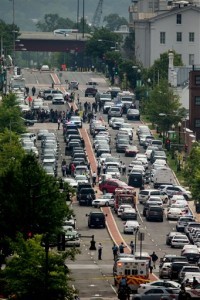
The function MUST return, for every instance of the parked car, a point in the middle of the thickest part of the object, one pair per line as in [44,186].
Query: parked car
[133,114]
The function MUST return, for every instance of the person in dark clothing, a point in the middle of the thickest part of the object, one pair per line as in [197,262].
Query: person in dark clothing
[98,170]
[194,283]
[115,251]
[121,247]
[100,247]
[154,258]
[33,91]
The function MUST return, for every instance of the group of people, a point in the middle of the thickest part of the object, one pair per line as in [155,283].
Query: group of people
[27,90]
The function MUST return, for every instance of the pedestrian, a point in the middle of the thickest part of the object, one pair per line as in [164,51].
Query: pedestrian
[98,169]
[100,247]
[73,168]
[33,91]
[94,178]
[115,251]
[59,121]
[27,90]
[123,169]
[194,283]
[78,99]
[151,268]
[154,259]
[121,247]
[104,169]
[86,106]
[132,246]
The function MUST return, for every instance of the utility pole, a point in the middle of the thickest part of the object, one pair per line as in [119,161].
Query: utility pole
[83,35]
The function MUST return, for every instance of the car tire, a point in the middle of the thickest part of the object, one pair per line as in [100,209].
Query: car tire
[161,220]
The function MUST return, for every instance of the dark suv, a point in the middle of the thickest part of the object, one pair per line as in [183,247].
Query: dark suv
[96,219]
[154,213]
[90,92]
[86,196]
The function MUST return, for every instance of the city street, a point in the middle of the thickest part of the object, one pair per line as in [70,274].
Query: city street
[94,278]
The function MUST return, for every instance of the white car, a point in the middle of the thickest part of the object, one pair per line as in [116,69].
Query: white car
[179,241]
[121,209]
[175,198]
[76,120]
[116,123]
[59,99]
[181,206]
[103,156]
[72,182]
[134,163]
[174,213]
[163,283]
[128,127]
[131,226]
[155,199]
[113,171]
[81,179]
[104,200]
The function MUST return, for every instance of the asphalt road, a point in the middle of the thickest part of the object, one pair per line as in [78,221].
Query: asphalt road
[93,278]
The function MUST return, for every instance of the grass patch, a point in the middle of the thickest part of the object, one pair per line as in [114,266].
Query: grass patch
[173,164]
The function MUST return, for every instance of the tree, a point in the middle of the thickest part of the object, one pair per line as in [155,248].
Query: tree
[53,21]
[101,42]
[159,70]
[6,33]
[162,106]
[191,171]
[129,45]
[33,203]
[114,21]
[26,276]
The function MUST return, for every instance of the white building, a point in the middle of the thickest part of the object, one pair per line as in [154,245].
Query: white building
[176,29]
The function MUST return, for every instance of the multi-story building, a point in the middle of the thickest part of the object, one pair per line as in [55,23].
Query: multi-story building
[176,28]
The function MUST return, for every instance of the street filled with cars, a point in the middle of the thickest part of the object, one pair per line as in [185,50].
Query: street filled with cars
[133,180]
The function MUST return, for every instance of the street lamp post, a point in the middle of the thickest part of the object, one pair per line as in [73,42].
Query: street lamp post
[179,142]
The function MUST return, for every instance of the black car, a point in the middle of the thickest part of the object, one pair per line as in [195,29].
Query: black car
[96,219]
[176,268]
[85,196]
[90,91]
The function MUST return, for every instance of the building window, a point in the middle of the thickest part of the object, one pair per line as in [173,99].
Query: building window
[191,36]
[197,123]
[191,59]
[162,37]
[197,100]
[197,80]
[178,19]
[179,36]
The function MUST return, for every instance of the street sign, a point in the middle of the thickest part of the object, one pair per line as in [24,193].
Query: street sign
[140,236]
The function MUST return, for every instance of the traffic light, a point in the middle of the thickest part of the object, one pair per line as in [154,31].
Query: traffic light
[18,71]
[168,144]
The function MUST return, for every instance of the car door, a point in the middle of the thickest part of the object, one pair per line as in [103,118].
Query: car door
[153,294]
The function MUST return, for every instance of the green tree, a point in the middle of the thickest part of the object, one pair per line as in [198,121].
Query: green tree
[114,21]
[159,70]
[129,45]
[191,171]
[6,33]
[33,203]
[52,22]
[26,276]
[162,106]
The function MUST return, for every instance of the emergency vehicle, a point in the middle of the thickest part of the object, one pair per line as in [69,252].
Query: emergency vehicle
[193,293]
[136,271]
[125,196]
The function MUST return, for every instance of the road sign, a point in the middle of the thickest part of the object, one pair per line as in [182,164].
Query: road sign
[140,236]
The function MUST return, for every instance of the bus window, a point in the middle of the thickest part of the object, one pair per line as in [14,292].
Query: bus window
[127,272]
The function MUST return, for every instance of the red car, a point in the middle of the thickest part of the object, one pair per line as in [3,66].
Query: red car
[109,185]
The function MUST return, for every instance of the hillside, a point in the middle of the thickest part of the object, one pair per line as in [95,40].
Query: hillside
[27,11]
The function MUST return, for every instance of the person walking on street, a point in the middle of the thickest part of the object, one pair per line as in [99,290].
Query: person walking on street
[59,121]
[78,99]
[123,169]
[132,246]
[94,178]
[98,170]
[100,247]
[154,259]
[121,247]
[33,91]
[115,251]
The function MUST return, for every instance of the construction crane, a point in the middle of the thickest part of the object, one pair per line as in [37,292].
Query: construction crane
[97,15]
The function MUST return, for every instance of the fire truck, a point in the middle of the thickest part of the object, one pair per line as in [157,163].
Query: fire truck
[125,196]
[136,271]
